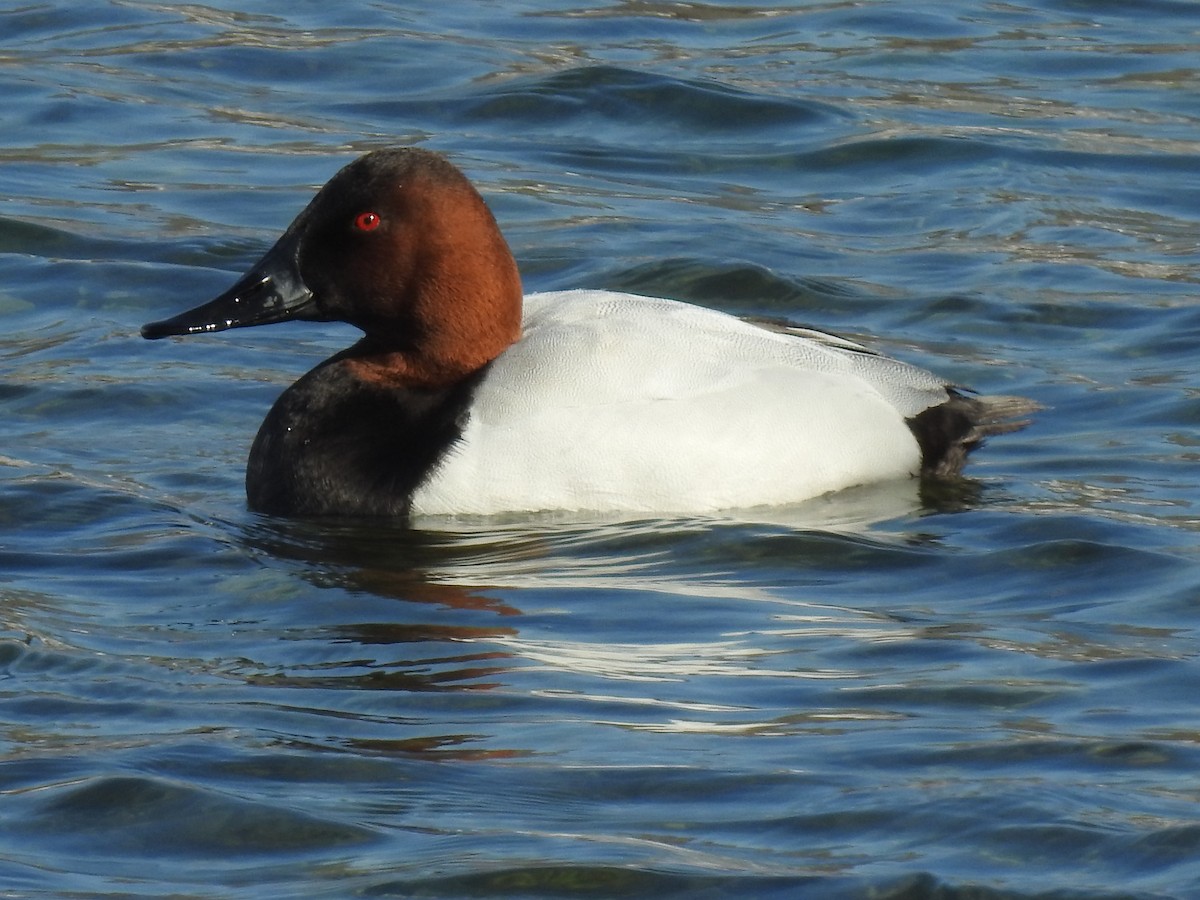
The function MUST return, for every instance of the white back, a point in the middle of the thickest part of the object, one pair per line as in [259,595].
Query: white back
[614,402]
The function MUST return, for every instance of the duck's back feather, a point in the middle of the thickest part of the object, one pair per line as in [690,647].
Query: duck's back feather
[613,402]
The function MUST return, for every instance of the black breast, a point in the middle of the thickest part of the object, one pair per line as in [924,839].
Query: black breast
[335,445]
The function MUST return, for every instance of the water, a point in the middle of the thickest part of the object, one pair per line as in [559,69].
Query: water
[984,692]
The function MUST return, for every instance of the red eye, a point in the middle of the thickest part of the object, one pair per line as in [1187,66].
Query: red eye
[367,221]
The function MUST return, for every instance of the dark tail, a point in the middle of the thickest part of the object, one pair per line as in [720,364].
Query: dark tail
[948,432]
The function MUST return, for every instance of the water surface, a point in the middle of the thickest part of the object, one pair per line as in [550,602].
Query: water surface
[984,691]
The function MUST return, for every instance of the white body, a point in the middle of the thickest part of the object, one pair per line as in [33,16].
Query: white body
[616,403]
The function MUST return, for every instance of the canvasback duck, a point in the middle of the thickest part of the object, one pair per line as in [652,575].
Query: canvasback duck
[463,397]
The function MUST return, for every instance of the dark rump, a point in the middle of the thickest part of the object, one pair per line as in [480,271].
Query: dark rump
[948,432]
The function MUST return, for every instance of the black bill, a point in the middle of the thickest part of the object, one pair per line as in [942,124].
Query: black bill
[273,291]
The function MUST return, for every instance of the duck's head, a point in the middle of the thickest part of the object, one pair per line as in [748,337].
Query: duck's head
[399,244]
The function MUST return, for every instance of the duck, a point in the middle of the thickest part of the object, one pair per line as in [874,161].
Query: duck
[464,396]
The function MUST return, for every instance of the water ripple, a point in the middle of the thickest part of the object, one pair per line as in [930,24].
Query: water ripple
[981,689]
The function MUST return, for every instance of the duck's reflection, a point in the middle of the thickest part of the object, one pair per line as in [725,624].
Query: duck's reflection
[431,613]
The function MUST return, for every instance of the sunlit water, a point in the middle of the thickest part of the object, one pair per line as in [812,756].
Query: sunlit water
[985,691]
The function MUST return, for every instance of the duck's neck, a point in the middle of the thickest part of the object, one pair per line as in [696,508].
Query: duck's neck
[449,337]
[401,369]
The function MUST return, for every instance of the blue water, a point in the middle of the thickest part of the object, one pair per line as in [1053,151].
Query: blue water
[989,691]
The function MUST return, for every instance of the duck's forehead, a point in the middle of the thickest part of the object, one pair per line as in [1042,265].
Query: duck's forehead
[382,178]
[361,180]
[350,193]
[396,184]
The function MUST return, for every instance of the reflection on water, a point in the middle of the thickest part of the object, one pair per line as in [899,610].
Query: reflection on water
[977,689]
